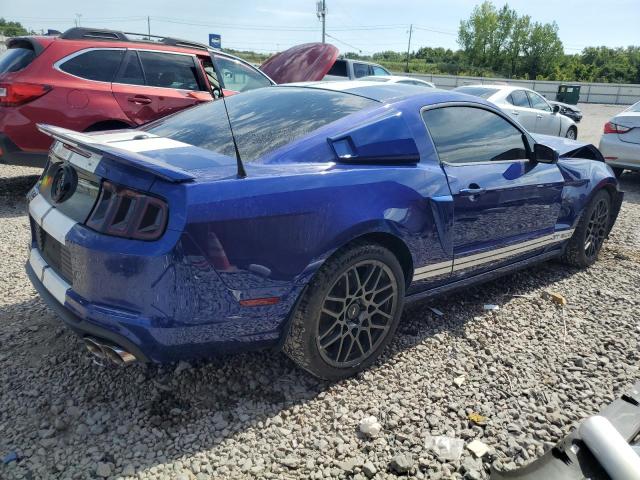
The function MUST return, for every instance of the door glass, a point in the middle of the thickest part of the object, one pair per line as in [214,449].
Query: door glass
[360,70]
[469,135]
[538,102]
[240,77]
[379,70]
[100,65]
[169,70]
[131,71]
[520,99]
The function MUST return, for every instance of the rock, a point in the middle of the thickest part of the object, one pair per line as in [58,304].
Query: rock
[369,469]
[370,426]
[401,463]
[181,367]
[478,448]
[103,470]
[128,471]
[291,462]
[349,464]
[459,381]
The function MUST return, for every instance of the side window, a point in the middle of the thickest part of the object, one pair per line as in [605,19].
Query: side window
[377,70]
[338,69]
[538,102]
[100,65]
[238,76]
[131,70]
[519,98]
[169,70]
[360,70]
[472,135]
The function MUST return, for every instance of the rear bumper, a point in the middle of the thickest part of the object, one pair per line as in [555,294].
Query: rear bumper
[11,154]
[620,154]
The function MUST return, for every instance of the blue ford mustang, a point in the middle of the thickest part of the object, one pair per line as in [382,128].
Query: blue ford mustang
[307,229]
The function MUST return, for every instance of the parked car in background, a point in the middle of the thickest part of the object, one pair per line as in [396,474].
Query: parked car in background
[153,246]
[348,69]
[526,106]
[400,79]
[620,142]
[90,79]
[571,111]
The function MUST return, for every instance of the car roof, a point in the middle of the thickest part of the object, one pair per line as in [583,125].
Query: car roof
[386,92]
[497,86]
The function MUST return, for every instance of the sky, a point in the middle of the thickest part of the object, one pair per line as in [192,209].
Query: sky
[366,26]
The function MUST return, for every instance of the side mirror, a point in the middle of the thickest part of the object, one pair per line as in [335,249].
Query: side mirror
[544,154]
[556,108]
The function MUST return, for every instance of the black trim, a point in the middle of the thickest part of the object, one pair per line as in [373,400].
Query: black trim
[12,155]
[78,325]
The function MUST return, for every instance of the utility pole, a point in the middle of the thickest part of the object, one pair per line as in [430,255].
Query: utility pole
[409,47]
[78,19]
[321,12]
[149,27]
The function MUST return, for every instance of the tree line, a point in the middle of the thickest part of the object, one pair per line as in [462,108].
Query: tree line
[493,43]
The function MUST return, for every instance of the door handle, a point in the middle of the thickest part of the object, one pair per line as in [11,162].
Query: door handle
[140,100]
[515,113]
[473,190]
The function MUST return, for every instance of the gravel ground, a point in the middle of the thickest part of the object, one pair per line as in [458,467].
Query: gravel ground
[532,368]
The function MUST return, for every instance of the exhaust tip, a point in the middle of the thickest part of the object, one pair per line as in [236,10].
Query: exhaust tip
[111,353]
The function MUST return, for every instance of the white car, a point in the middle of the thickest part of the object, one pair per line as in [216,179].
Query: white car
[529,108]
[620,142]
[399,79]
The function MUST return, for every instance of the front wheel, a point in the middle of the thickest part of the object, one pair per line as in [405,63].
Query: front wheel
[588,237]
[572,133]
[348,314]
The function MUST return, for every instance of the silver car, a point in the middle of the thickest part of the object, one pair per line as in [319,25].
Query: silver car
[529,108]
[620,142]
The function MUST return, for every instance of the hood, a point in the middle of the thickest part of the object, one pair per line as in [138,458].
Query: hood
[564,105]
[309,62]
[568,148]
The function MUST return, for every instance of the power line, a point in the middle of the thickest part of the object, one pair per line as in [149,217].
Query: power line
[345,43]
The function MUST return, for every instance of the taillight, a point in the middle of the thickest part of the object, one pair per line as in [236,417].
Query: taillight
[611,127]
[14,94]
[127,213]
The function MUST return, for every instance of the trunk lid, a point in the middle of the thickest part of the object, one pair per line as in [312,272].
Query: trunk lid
[308,62]
[630,120]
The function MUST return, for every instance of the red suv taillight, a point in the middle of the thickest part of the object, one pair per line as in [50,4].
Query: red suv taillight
[127,213]
[611,127]
[14,94]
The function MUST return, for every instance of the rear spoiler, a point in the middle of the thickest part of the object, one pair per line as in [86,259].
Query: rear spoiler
[93,146]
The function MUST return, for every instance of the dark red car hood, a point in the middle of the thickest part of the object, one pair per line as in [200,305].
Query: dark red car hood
[308,62]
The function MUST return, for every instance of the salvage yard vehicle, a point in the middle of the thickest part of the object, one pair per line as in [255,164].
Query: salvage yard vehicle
[571,111]
[620,142]
[307,225]
[400,79]
[527,107]
[94,79]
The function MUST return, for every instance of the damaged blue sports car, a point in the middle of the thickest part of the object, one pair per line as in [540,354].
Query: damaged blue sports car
[301,217]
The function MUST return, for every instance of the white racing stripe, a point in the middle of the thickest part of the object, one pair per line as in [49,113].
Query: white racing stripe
[50,279]
[148,144]
[469,261]
[50,219]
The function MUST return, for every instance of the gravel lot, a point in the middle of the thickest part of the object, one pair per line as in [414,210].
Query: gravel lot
[531,368]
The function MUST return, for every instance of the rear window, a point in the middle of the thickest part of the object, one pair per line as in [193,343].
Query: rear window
[339,69]
[16,59]
[483,92]
[100,65]
[263,119]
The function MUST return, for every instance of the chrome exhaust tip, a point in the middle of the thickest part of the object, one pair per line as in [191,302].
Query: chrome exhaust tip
[104,352]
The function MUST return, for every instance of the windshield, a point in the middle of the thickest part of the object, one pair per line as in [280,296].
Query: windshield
[483,92]
[16,59]
[263,119]
[634,108]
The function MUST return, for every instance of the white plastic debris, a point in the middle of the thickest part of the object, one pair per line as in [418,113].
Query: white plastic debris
[459,381]
[491,307]
[478,448]
[370,426]
[446,448]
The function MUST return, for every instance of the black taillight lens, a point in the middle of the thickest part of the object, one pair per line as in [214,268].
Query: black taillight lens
[123,212]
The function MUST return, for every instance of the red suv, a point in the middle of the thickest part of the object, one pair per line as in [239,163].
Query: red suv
[88,80]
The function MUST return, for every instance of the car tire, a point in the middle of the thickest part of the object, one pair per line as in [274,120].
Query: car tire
[587,239]
[617,171]
[572,133]
[358,294]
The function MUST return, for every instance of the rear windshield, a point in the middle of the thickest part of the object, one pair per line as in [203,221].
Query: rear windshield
[263,119]
[16,59]
[634,108]
[483,92]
